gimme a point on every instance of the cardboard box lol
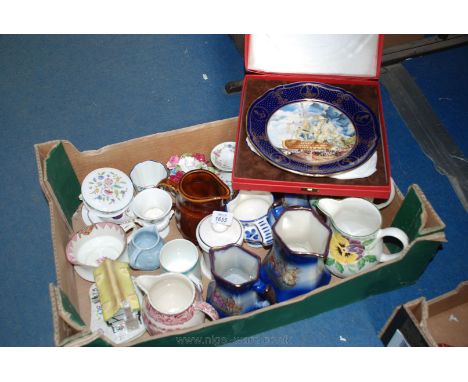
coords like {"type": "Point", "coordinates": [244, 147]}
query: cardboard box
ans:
{"type": "Point", "coordinates": [354, 67]}
{"type": "Point", "coordinates": [442, 321]}
{"type": "Point", "coordinates": [61, 169]}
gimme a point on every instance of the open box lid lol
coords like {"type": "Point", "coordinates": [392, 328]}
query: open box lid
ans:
{"type": "Point", "coordinates": [338, 55]}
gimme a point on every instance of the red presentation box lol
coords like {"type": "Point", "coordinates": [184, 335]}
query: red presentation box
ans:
{"type": "Point", "coordinates": [350, 62]}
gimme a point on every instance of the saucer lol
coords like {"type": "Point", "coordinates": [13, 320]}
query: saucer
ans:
{"type": "Point", "coordinates": [222, 156]}
{"type": "Point", "coordinates": [90, 218]}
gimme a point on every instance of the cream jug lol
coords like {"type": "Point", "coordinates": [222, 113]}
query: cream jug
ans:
{"type": "Point", "coordinates": [172, 302]}
{"type": "Point", "coordinates": [237, 288]}
{"type": "Point", "coordinates": [251, 209]}
{"type": "Point", "coordinates": [357, 238]}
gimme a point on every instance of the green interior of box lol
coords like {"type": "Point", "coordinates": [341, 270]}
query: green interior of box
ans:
{"type": "Point", "coordinates": [63, 181]}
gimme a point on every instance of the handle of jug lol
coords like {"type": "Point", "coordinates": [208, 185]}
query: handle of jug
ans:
{"type": "Point", "coordinates": [274, 212]}
{"type": "Point", "coordinates": [196, 281]}
{"type": "Point", "coordinates": [133, 257]}
{"type": "Point", "coordinates": [397, 234]}
{"type": "Point", "coordinates": [265, 291]}
{"type": "Point", "coordinates": [207, 309]}
{"type": "Point", "coordinates": [276, 209]}
{"type": "Point", "coordinates": [169, 185]}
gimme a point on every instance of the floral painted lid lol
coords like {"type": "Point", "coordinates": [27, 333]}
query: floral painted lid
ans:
{"type": "Point", "coordinates": [107, 190]}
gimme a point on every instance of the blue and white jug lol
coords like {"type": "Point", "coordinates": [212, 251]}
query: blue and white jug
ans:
{"type": "Point", "coordinates": [295, 264]}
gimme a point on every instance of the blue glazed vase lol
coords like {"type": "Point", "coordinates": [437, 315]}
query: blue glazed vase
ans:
{"type": "Point", "coordinates": [296, 263]}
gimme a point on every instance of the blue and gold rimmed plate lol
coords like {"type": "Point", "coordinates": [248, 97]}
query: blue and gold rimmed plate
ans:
{"type": "Point", "coordinates": [312, 129]}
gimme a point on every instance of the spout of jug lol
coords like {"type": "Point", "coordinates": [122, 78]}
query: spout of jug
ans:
{"type": "Point", "coordinates": [145, 282]}
{"type": "Point", "coordinates": [328, 206]}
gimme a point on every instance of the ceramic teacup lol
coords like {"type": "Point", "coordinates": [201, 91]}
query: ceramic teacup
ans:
{"type": "Point", "coordinates": [181, 256]}
{"type": "Point", "coordinates": [144, 248]}
{"type": "Point", "coordinates": [153, 206]}
{"type": "Point", "coordinates": [171, 303]}
{"type": "Point", "coordinates": [356, 244]}
{"type": "Point", "coordinates": [147, 174]}
{"type": "Point", "coordinates": [251, 209]}
{"type": "Point", "coordinates": [89, 247]}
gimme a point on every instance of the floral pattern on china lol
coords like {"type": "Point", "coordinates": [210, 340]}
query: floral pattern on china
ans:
{"type": "Point", "coordinates": [348, 254]}
{"type": "Point", "coordinates": [107, 190]}
{"type": "Point", "coordinates": [222, 156]}
{"type": "Point", "coordinates": [179, 165]}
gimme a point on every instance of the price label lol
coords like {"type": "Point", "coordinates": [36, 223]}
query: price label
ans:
{"type": "Point", "coordinates": [220, 217]}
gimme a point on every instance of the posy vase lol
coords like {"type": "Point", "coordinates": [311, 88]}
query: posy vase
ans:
{"type": "Point", "coordinates": [357, 240]}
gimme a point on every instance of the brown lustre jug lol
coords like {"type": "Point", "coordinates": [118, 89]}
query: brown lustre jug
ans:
{"type": "Point", "coordinates": [197, 194]}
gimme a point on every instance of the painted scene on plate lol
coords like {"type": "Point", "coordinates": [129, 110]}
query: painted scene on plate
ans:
{"type": "Point", "coordinates": [311, 132]}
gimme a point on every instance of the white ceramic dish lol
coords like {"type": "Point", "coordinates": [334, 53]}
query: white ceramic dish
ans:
{"type": "Point", "coordinates": [86, 272]}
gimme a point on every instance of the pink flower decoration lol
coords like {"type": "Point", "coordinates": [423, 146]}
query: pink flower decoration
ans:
{"type": "Point", "coordinates": [177, 176]}
{"type": "Point", "coordinates": [173, 161]}
{"type": "Point", "coordinates": [200, 157]}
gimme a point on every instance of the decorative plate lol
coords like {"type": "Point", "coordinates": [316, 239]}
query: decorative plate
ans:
{"type": "Point", "coordinates": [312, 129]}
{"type": "Point", "coordinates": [107, 190]}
